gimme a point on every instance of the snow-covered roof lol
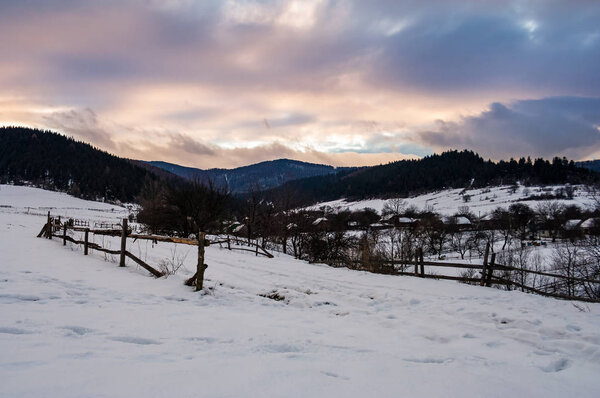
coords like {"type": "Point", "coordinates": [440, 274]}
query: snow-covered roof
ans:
{"type": "Point", "coordinates": [378, 225]}
{"type": "Point", "coordinates": [459, 220]}
{"type": "Point", "coordinates": [319, 220]}
{"type": "Point", "coordinates": [572, 224]}
{"type": "Point", "coordinates": [239, 228]}
{"type": "Point", "coordinates": [405, 220]}
{"type": "Point", "coordinates": [590, 222]}
{"type": "Point", "coordinates": [462, 220]}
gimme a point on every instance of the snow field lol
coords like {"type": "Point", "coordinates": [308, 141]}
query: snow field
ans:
{"type": "Point", "coordinates": [483, 200]}
{"type": "Point", "coordinates": [75, 326]}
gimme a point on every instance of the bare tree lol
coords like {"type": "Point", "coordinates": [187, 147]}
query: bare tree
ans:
{"type": "Point", "coordinates": [461, 242]}
{"type": "Point", "coordinates": [435, 233]}
{"type": "Point", "coordinates": [503, 223]}
{"type": "Point", "coordinates": [517, 258]}
{"type": "Point", "coordinates": [550, 217]}
{"type": "Point", "coordinates": [252, 202]}
{"type": "Point", "coordinates": [394, 207]}
{"type": "Point", "coordinates": [286, 199]}
{"type": "Point", "coordinates": [198, 205]}
{"type": "Point", "coordinates": [184, 207]}
{"type": "Point", "coordinates": [567, 260]}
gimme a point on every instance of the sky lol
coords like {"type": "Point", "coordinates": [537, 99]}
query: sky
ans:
{"type": "Point", "coordinates": [233, 82]}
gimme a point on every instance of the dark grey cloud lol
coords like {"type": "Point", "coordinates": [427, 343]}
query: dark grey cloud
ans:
{"type": "Point", "coordinates": [458, 47]}
{"type": "Point", "coordinates": [558, 126]}
{"type": "Point", "coordinates": [438, 46]}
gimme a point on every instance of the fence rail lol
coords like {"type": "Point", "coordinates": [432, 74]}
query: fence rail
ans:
{"type": "Point", "coordinates": [256, 248]}
{"type": "Point", "coordinates": [55, 228]}
{"type": "Point", "coordinates": [489, 275]}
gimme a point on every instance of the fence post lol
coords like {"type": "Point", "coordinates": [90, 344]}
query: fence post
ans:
{"type": "Point", "coordinates": [64, 234]}
{"type": "Point", "coordinates": [256, 252]}
{"type": "Point", "coordinates": [200, 268]}
{"type": "Point", "coordinates": [123, 243]}
{"type": "Point", "coordinates": [49, 227]}
{"type": "Point", "coordinates": [485, 262]}
{"type": "Point", "coordinates": [228, 242]}
{"type": "Point", "coordinates": [85, 242]}
{"type": "Point", "coordinates": [416, 263]}
{"type": "Point", "coordinates": [421, 261]}
{"type": "Point", "coordinates": [488, 281]}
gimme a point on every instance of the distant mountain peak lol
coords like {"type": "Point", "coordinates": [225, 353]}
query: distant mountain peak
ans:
{"type": "Point", "coordinates": [264, 175]}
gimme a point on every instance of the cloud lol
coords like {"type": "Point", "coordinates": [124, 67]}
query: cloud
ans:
{"type": "Point", "coordinates": [218, 157]}
{"type": "Point", "coordinates": [180, 142]}
{"type": "Point", "coordinates": [337, 76]}
{"type": "Point", "coordinates": [435, 46]}
{"type": "Point", "coordinates": [557, 126]}
{"type": "Point", "coordinates": [81, 124]}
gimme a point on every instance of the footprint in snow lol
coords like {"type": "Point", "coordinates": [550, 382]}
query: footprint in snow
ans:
{"type": "Point", "coordinates": [78, 330]}
{"type": "Point", "coordinates": [13, 298]}
{"type": "Point", "coordinates": [208, 340]}
{"type": "Point", "coordinates": [279, 348]}
{"type": "Point", "coordinates": [11, 330]}
{"type": "Point", "coordinates": [175, 298]}
{"type": "Point", "coordinates": [556, 366]}
{"type": "Point", "coordinates": [334, 375]}
{"type": "Point", "coordinates": [134, 340]}
{"type": "Point", "coordinates": [429, 360]}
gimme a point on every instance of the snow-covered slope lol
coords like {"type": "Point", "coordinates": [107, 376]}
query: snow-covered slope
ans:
{"type": "Point", "coordinates": [74, 326]}
{"type": "Point", "coordinates": [35, 201]}
{"type": "Point", "coordinates": [482, 201]}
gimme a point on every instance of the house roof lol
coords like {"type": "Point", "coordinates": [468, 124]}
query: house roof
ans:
{"type": "Point", "coordinates": [590, 222]}
{"type": "Point", "coordinates": [378, 225]}
{"type": "Point", "coordinates": [459, 220]}
{"type": "Point", "coordinates": [573, 224]}
{"type": "Point", "coordinates": [319, 220]}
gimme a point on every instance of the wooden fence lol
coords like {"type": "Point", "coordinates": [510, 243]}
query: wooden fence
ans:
{"type": "Point", "coordinates": [492, 274]}
{"type": "Point", "coordinates": [54, 227]}
{"type": "Point", "coordinates": [243, 244]}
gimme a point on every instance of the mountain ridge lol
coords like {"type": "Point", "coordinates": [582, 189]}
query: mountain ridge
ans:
{"type": "Point", "coordinates": [258, 176]}
{"type": "Point", "coordinates": [590, 164]}
{"type": "Point", "coordinates": [54, 161]}
{"type": "Point", "coordinates": [450, 169]}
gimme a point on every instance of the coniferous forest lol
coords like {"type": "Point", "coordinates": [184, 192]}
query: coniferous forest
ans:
{"type": "Point", "coordinates": [53, 161]}
{"type": "Point", "coordinates": [452, 169]}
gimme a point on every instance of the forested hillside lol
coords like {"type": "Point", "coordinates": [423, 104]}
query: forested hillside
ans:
{"type": "Point", "coordinates": [590, 164]}
{"type": "Point", "coordinates": [56, 162]}
{"type": "Point", "coordinates": [263, 175]}
{"type": "Point", "coordinates": [452, 169]}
